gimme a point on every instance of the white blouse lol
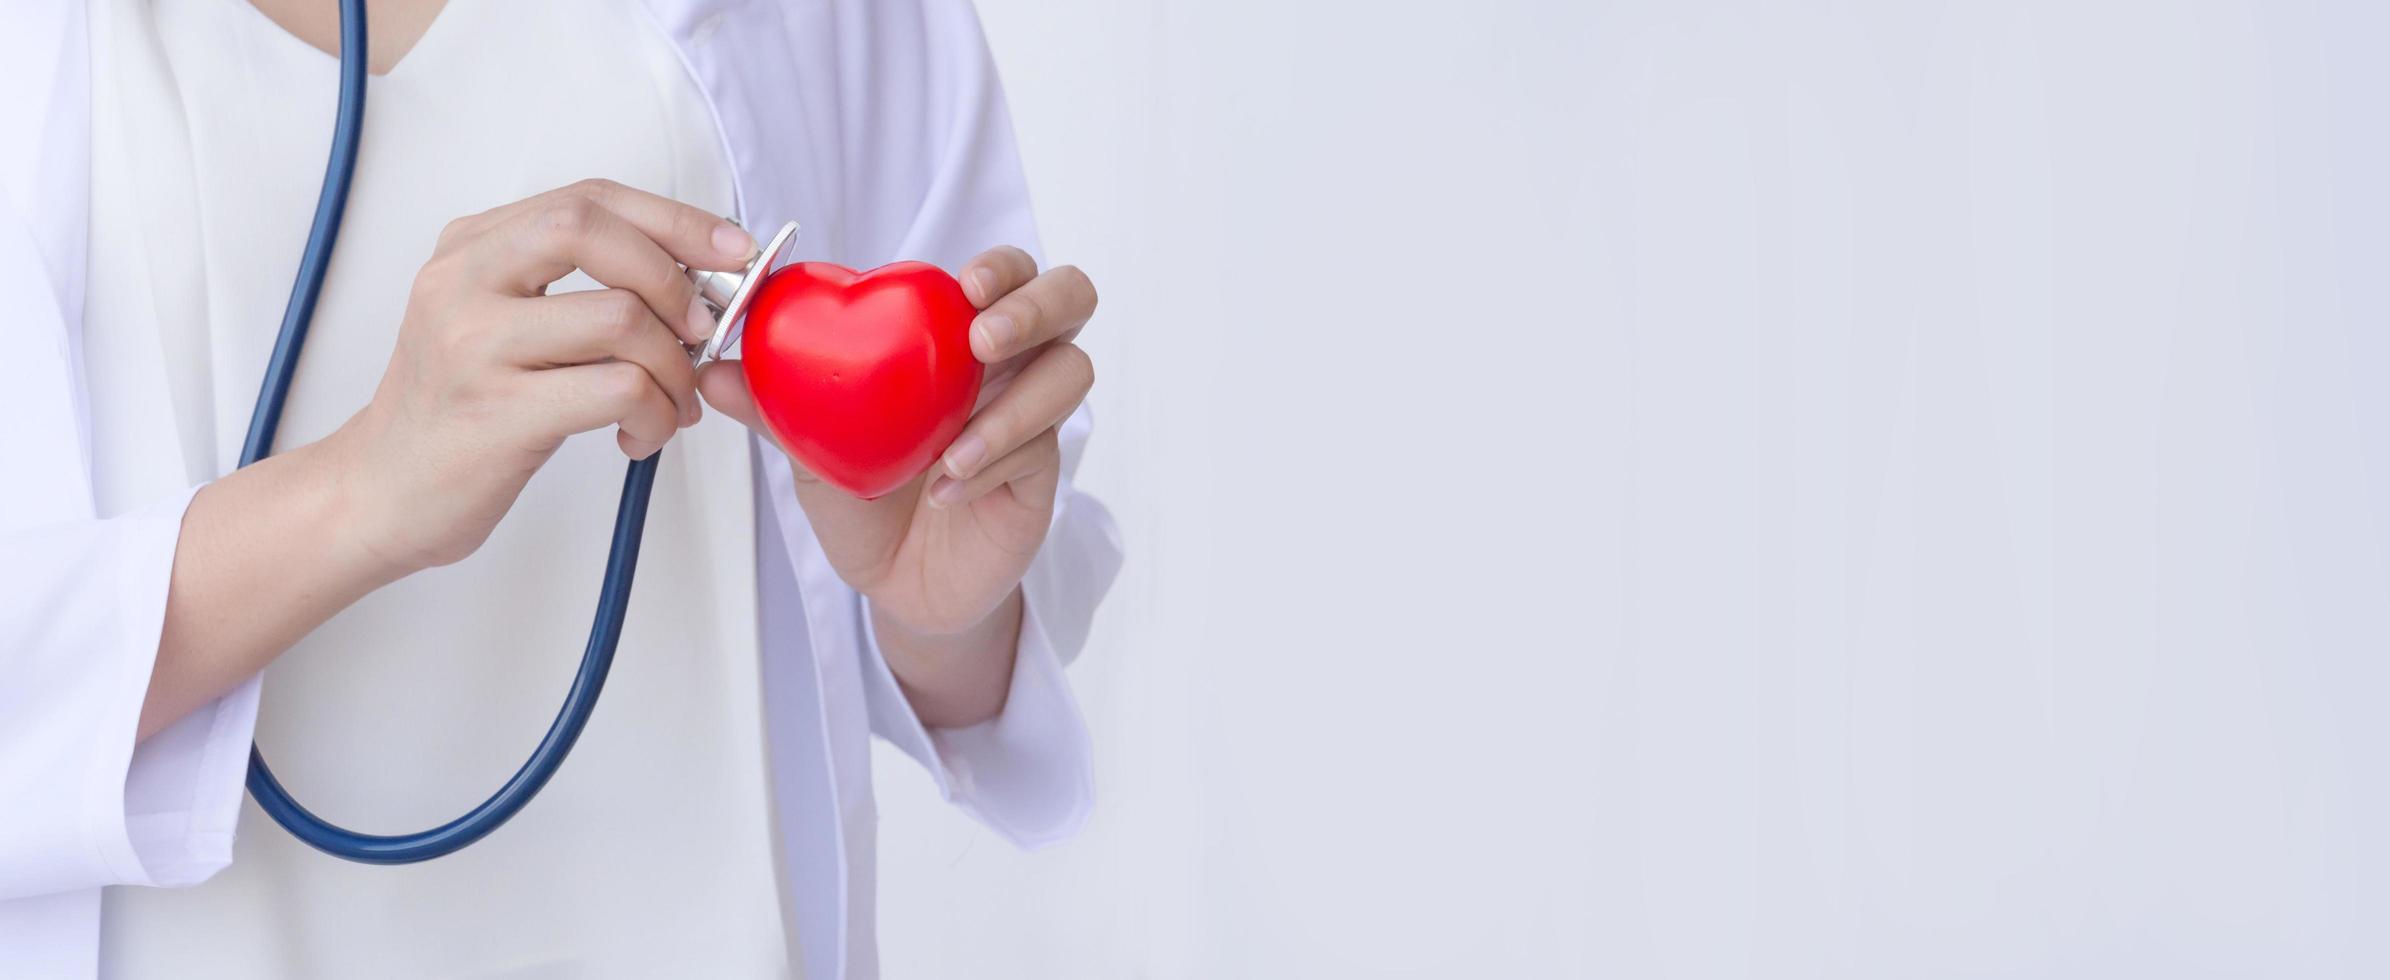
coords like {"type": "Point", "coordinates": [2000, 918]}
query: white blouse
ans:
{"type": "Point", "coordinates": [652, 852]}
{"type": "Point", "coordinates": [881, 125]}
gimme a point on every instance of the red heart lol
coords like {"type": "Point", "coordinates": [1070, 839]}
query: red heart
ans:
{"type": "Point", "coordinates": [864, 378]}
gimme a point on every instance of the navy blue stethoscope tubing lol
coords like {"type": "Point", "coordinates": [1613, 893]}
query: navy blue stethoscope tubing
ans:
{"type": "Point", "coordinates": [614, 596]}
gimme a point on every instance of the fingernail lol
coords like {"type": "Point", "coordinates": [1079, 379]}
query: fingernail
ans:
{"type": "Point", "coordinates": [986, 281]}
{"type": "Point", "coordinates": [995, 333]}
{"type": "Point", "coordinates": [690, 414]}
{"type": "Point", "coordinates": [733, 241]}
{"type": "Point", "coordinates": [945, 492]}
{"type": "Point", "coordinates": [964, 456]}
{"type": "Point", "coordinates": [701, 320]}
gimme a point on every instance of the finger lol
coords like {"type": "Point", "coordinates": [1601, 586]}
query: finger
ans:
{"type": "Point", "coordinates": [871, 536]}
{"type": "Point", "coordinates": [695, 236]}
{"type": "Point", "coordinates": [590, 396]}
{"type": "Point", "coordinates": [1052, 307]}
{"type": "Point", "coordinates": [692, 235]}
{"type": "Point", "coordinates": [540, 245]}
{"type": "Point", "coordinates": [995, 272]}
{"type": "Point", "coordinates": [723, 384]}
{"type": "Point", "coordinates": [599, 325]}
{"type": "Point", "coordinates": [1042, 395]}
{"type": "Point", "coordinates": [1031, 471]}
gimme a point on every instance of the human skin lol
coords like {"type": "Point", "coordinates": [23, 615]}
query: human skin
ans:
{"type": "Point", "coordinates": [488, 377]}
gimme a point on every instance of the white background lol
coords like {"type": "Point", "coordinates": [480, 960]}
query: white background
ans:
{"type": "Point", "coordinates": [1674, 489]}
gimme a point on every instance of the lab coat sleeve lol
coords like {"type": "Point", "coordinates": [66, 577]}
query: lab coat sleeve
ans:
{"type": "Point", "coordinates": [82, 604]}
{"type": "Point", "coordinates": [942, 186]}
{"type": "Point", "coordinates": [1027, 773]}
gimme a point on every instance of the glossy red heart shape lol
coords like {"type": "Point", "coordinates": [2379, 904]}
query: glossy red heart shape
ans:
{"type": "Point", "coordinates": [864, 377]}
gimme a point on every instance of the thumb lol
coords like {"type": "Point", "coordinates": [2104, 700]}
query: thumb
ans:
{"type": "Point", "coordinates": [860, 537]}
{"type": "Point", "coordinates": [724, 386]}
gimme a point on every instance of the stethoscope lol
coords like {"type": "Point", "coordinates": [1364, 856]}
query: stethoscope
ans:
{"type": "Point", "coordinates": [726, 295]}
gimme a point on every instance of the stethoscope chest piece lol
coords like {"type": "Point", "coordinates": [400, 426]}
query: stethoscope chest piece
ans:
{"type": "Point", "coordinates": [728, 293]}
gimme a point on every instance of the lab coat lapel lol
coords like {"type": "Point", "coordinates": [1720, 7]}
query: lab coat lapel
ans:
{"type": "Point", "coordinates": [44, 172]}
{"type": "Point", "coordinates": [779, 133]}
{"type": "Point", "coordinates": [139, 171]}
{"type": "Point", "coordinates": [779, 123]}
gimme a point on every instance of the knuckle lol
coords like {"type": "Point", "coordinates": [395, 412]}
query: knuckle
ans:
{"type": "Point", "coordinates": [485, 342]}
{"type": "Point", "coordinates": [588, 187]}
{"type": "Point", "coordinates": [1076, 367]}
{"type": "Point", "coordinates": [673, 285]}
{"type": "Point", "coordinates": [569, 217]}
{"type": "Point", "coordinates": [1028, 311]}
{"type": "Point", "coordinates": [457, 345]}
{"type": "Point", "coordinates": [1075, 281]}
{"type": "Point", "coordinates": [679, 391]}
{"type": "Point", "coordinates": [680, 374]}
{"type": "Point", "coordinates": [695, 225]}
{"type": "Point", "coordinates": [1004, 430]}
{"type": "Point", "coordinates": [656, 414]}
{"type": "Point", "coordinates": [435, 281]}
{"type": "Point", "coordinates": [622, 384]}
{"type": "Point", "coordinates": [673, 374]}
{"type": "Point", "coordinates": [428, 282]}
{"type": "Point", "coordinates": [1010, 266]}
{"type": "Point", "coordinates": [621, 311]}
{"type": "Point", "coordinates": [455, 231]}
{"type": "Point", "coordinates": [1016, 257]}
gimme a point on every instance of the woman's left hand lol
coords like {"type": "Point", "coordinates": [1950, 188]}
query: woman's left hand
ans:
{"type": "Point", "coordinates": [941, 558]}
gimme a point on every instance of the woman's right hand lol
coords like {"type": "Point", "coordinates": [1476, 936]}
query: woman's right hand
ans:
{"type": "Point", "coordinates": [490, 374]}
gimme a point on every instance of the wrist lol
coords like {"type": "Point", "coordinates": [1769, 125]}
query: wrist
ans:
{"type": "Point", "coordinates": [953, 678]}
{"type": "Point", "coordinates": [348, 513]}
{"type": "Point", "coordinates": [1003, 618]}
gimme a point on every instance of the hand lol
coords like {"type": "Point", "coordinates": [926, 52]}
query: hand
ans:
{"type": "Point", "coordinates": [941, 558]}
{"type": "Point", "coordinates": [490, 373]}
{"type": "Point", "coordinates": [488, 376]}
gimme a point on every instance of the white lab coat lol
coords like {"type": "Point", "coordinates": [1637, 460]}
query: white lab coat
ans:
{"type": "Point", "coordinates": [879, 125]}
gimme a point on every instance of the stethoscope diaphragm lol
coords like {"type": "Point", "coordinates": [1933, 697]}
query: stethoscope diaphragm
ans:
{"type": "Point", "coordinates": [727, 294]}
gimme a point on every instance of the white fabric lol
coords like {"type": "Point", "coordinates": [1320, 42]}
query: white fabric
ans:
{"type": "Point", "coordinates": [207, 109]}
{"type": "Point", "coordinates": [880, 124]}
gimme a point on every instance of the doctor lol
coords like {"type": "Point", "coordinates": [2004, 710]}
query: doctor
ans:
{"type": "Point", "coordinates": [498, 332]}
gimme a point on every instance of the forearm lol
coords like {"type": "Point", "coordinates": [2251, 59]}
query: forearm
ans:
{"type": "Point", "coordinates": [265, 555]}
{"type": "Point", "coordinates": [954, 680]}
